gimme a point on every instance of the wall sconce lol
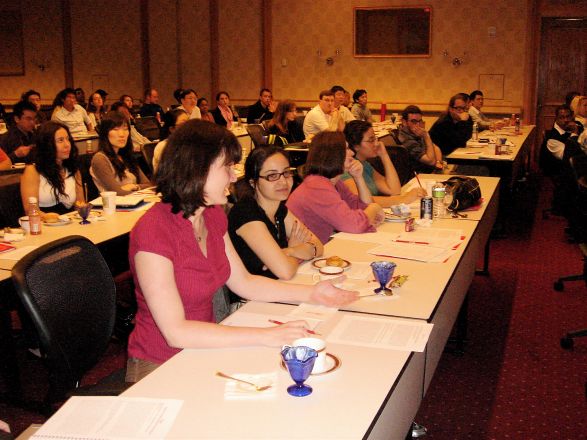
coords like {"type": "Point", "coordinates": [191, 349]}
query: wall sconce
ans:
{"type": "Point", "coordinates": [42, 65]}
{"type": "Point", "coordinates": [456, 61]}
{"type": "Point", "coordinates": [329, 60]}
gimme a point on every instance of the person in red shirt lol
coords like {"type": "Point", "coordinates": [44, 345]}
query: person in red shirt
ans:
{"type": "Point", "coordinates": [181, 254]}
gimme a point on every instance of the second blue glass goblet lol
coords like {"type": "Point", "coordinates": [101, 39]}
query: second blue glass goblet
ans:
{"type": "Point", "coordinates": [383, 271]}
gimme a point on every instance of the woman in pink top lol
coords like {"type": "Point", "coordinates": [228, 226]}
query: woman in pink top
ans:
{"type": "Point", "coordinates": [323, 202]}
{"type": "Point", "coordinates": [180, 255]}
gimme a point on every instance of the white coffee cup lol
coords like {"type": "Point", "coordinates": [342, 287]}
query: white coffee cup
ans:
{"type": "Point", "coordinates": [320, 346]}
{"type": "Point", "coordinates": [24, 223]}
{"type": "Point", "coordinates": [108, 202]}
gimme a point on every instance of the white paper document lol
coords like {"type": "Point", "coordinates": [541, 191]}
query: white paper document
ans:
{"type": "Point", "coordinates": [18, 253]}
{"type": "Point", "coordinates": [394, 334]}
{"type": "Point", "coordinates": [417, 252]}
{"type": "Point", "coordinates": [105, 418]}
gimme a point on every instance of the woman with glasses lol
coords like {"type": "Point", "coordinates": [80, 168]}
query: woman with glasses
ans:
{"type": "Point", "coordinates": [270, 240]}
{"type": "Point", "coordinates": [323, 202]}
{"type": "Point", "coordinates": [385, 188]}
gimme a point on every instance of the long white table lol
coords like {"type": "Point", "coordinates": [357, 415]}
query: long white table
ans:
{"type": "Point", "coordinates": [374, 394]}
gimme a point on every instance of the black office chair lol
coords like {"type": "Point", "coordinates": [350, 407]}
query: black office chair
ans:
{"type": "Point", "coordinates": [401, 161]}
{"type": "Point", "coordinates": [577, 215]}
{"type": "Point", "coordinates": [148, 151]}
{"type": "Point", "coordinates": [148, 127]}
{"type": "Point", "coordinates": [257, 133]}
{"type": "Point", "coordinates": [68, 291]}
{"type": "Point", "coordinates": [10, 202]}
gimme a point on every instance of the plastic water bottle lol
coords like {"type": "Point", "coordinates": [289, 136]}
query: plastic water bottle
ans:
{"type": "Point", "coordinates": [34, 216]}
{"type": "Point", "coordinates": [89, 147]}
{"type": "Point", "coordinates": [475, 136]}
{"type": "Point", "coordinates": [438, 193]}
{"type": "Point", "coordinates": [517, 126]}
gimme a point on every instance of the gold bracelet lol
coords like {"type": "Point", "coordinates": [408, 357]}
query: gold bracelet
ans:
{"type": "Point", "coordinates": [311, 243]}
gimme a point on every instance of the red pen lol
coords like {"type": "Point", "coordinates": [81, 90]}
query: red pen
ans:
{"type": "Point", "coordinates": [414, 242]}
{"type": "Point", "coordinates": [273, 321]}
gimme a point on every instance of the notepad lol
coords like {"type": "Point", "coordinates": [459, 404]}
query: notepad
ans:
{"type": "Point", "coordinates": [130, 201]}
{"type": "Point", "coordinates": [106, 418]}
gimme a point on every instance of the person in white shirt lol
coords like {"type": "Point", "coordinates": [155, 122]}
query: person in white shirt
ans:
{"type": "Point", "coordinates": [189, 99]}
{"type": "Point", "coordinates": [322, 117]}
{"type": "Point", "coordinates": [476, 102]}
{"type": "Point", "coordinates": [73, 115]}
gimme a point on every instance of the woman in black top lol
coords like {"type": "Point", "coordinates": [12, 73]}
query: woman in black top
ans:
{"type": "Point", "coordinates": [270, 240]}
{"type": "Point", "coordinates": [284, 125]}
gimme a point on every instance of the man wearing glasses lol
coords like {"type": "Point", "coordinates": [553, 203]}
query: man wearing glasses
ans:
{"type": "Point", "coordinates": [424, 155]}
{"type": "Point", "coordinates": [454, 127]}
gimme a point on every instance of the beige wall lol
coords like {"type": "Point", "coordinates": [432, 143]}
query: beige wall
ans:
{"type": "Point", "coordinates": [107, 50]}
{"type": "Point", "coordinates": [327, 26]}
{"type": "Point", "coordinates": [106, 47]}
{"type": "Point", "coordinates": [41, 16]}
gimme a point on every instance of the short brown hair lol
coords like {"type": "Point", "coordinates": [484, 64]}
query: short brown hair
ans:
{"type": "Point", "coordinates": [327, 154]}
{"type": "Point", "coordinates": [324, 93]}
{"type": "Point", "coordinates": [186, 160]}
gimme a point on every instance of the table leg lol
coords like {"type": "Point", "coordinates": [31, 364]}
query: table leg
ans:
{"type": "Point", "coordinates": [485, 271]}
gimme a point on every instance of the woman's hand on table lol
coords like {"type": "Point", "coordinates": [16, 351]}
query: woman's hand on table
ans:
{"type": "Point", "coordinates": [285, 333]}
{"type": "Point", "coordinates": [414, 194]}
{"type": "Point", "coordinates": [326, 294]}
{"type": "Point", "coordinates": [299, 234]}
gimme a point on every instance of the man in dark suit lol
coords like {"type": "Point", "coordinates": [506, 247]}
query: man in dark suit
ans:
{"type": "Point", "coordinates": [17, 143]}
{"type": "Point", "coordinates": [263, 109]}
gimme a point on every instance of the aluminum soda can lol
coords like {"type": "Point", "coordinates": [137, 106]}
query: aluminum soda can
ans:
{"type": "Point", "coordinates": [426, 208]}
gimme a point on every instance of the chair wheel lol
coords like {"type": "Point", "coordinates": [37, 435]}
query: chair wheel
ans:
{"type": "Point", "coordinates": [567, 343]}
{"type": "Point", "coordinates": [558, 286]}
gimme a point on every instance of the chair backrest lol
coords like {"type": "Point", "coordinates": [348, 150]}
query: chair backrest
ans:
{"type": "Point", "coordinates": [69, 293]}
{"type": "Point", "coordinates": [85, 163]}
{"type": "Point", "coordinates": [148, 151]}
{"type": "Point", "coordinates": [10, 202]}
{"type": "Point", "coordinates": [148, 127]}
{"type": "Point", "coordinates": [401, 161]}
{"type": "Point", "coordinates": [257, 134]}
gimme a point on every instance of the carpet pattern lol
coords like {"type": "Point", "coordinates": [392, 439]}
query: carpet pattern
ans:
{"type": "Point", "coordinates": [514, 381]}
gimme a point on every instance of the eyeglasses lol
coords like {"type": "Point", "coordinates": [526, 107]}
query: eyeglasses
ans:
{"type": "Point", "coordinates": [371, 140]}
{"type": "Point", "coordinates": [460, 108]}
{"type": "Point", "coordinates": [416, 121]}
{"type": "Point", "coordinates": [273, 177]}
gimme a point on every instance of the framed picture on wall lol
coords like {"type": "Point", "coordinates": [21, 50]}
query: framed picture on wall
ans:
{"type": "Point", "coordinates": [12, 59]}
{"type": "Point", "coordinates": [392, 31]}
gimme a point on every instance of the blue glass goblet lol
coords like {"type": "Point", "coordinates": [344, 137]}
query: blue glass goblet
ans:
{"type": "Point", "coordinates": [383, 271]}
{"type": "Point", "coordinates": [83, 209]}
{"type": "Point", "coordinates": [299, 361]}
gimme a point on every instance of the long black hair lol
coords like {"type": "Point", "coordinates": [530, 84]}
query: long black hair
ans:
{"type": "Point", "coordinates": [45, 153]}
{"type": "Point", "coordinates": [253, 165]}
{"type": "Point", "coordinates": [124, 160]}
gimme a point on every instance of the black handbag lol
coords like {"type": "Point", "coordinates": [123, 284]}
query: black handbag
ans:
{"type": "Point", "coordinates": [465, 191]}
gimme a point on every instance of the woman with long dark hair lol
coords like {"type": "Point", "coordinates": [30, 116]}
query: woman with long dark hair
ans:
{"type": "Point", "coordinates": [284, 125]}
{"type": "Point", "coordinates": [54, 179]}
{"type": "Point", "coordinates": [96, 109]}
{"type": "Point", "coordinates": [270, 240]}
{"type": "Point", "coordinates": [114, 167]}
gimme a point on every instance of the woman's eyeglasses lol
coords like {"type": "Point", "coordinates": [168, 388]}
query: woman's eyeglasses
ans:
{"type": "Point", "coordinates": [276, 176]}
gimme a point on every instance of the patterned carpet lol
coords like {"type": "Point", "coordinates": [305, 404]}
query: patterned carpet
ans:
{"type": "Point", "coordinates": [514, 381]}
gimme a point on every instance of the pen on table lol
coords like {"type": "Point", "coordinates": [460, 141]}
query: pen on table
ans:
{"type": "Point", "coordinates": [418, 179]}
{"type": "Point", "coordinates": [273, 321]}
{"type": "Point", "coordinates": [414, 242]}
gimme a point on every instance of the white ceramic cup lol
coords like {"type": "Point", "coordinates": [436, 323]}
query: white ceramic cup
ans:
{"type": "Point", "coordinates": [108, 202]}
{"type": "Point", "coordinates": [24, 223]}
{"type": "Point", "coordinates": [320, 346]}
